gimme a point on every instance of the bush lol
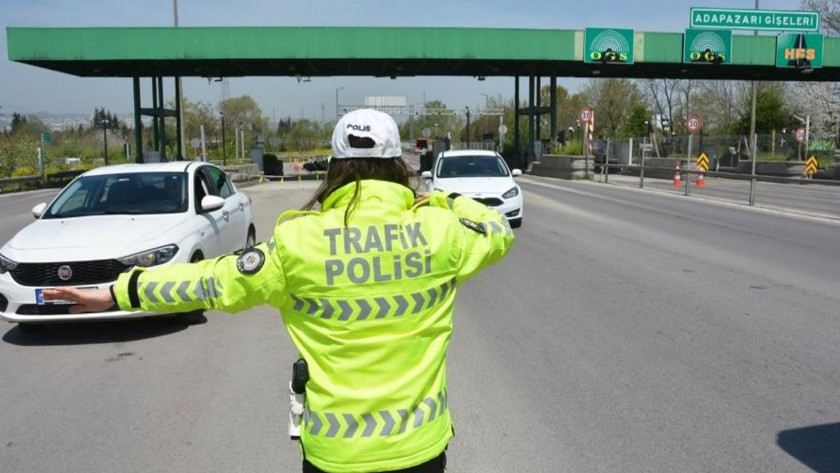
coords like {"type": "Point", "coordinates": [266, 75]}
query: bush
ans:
{"type": "Point", "coordinates": [25, 171]}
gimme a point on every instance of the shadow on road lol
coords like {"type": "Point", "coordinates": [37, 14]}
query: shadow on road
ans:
{"type": "Point", "coordinates": [817, 447]}
{"type": "Point", "coordinates": [82, 333]}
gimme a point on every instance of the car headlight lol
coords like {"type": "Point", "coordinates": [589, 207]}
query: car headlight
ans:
{"type": "Point", "coordinates": [150, 258]}
{"type": "Point", "coordinates": [511, 193]}
{"type": "Point", "coordinates": [6, 264]}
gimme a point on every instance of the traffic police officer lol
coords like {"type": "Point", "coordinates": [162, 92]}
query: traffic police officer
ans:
{"type": "Point", "coordinates": [366, 288]}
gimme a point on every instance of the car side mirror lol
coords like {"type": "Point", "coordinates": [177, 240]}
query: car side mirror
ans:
{"type": "Point", "coordinates": [39, 209]}
{"type": "Point", "coordinates": [426, 174]}
{"type": "Point", "coordinates": [516, 172]}
{"type": "Point", "coordinates": [212, 202]}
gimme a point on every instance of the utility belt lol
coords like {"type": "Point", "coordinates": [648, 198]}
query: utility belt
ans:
{"type": "Point", "coordinates": [297, 397]}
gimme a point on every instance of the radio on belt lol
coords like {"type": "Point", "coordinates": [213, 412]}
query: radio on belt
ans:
{"type": "Point", "coordinates": [297, 397]}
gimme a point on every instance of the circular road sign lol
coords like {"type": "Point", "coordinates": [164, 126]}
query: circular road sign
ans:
{"type": "Point", "coordinates": [586, 115]}
{"type": "Point", "coordinates": [693, 124]}
{"type": "Point", "coordinates": [800, 135]}
{"type": "Point", "coordinates": [502, 129]}
{"type": "Point", "coordinates": [427, 132]}
{"type": "Point", "coordinates": [195, 143]}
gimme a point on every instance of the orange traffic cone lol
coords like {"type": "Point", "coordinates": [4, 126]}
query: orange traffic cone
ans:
{"type": "Point", "coordinates": [677, 179]}
{"type": "Point", "coordinates": [700, 181]}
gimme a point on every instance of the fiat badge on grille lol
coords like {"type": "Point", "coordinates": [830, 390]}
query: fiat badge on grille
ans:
{"type": "Point", "coordinates": [65, 273]}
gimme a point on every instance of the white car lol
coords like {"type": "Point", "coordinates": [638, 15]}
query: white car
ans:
{"type": "Point", "coordinates": [113, 218]}
{"type": "Point", "coordinates": [481, 175]}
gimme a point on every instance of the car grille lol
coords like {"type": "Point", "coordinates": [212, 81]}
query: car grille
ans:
{"type": "Point", "coordinates": [35, 309]}
{"type": "Point", "coordinates": [84, 272]}
{"type": "Point", "coordinates": [490, 201]}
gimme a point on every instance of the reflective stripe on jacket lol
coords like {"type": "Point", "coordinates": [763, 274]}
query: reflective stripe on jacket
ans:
{"type": "Point", "coordinates": [368, 306]}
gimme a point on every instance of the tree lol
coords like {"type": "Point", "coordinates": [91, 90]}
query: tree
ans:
{"type": "Point", "coordinates": [613, 100]}
{"type": "Point", "coordinates": [637, 122]}
{"type": "Point", "coordinates": [663, 96]}
{"type": "Point", "coordinates": [717, 104]}
{"type": "Point", "coordinates": [770, 110]}
{"type": "Point", "coordinates": [243, 112]}
{"type": "Point", "coordinates": [820, 101]}
{"type": "Point", "coordinates": [302, 136]}
{"type": "Point", "coordinates": [829, 13]}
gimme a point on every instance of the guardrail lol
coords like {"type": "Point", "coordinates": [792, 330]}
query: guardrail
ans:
{"type": "Point", "coordinates": [52, 179]}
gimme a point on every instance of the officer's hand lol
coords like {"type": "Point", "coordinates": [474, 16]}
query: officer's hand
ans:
{"type": "Point", "coordinates": [85, 300]}
{"type": "Point", "coordinates": [297, 166]}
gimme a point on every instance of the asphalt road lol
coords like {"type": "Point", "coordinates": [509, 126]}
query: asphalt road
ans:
{"type": "Point", "coordinates": [627, 331]}
{"type": "Point", "coordinates": [812, 197]}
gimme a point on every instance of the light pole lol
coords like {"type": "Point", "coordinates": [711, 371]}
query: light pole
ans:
{"type": "Point", "coordinates": [336, 102]}
{"type": "Point", "coordinates": [105, 123]}
{"type": "Point", "coordinates": [224, 144]}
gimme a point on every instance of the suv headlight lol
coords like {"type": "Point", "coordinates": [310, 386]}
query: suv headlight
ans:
{"type": "Point", "coordinates": [6, 264]}
{"type": "Point", "coordinates": [150, 258]}
{"type": "Point", "coordinates": [511, 193]}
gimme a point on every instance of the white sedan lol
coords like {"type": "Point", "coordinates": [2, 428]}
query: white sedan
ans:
{"type": "Point", "coordinates": [113, 218]}
{"type": "Point", "coordinates": [481, 175]}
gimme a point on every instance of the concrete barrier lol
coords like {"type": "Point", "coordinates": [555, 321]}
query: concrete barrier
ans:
{"type": "Point", "coordinates": [561, 167]}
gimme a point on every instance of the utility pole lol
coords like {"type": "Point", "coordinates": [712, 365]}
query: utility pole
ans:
{"type": "Point", "coordinates": [753, 140]}
{"type": "Point", "coordinates": [105, 123]}
{"type": "Point", "coordinates": [224, 145]}
{"type": "Point", "coordinates": [468, 127]}
{"type": "Point", "coordinates": [182, 139]}
{"type": "Point", "coordinates": [336, 102]}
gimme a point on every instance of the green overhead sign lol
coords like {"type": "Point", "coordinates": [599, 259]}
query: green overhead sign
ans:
{"type": "Point", "coordinates": [707, 46]}
{"type": "Point", "coordinates": [777, 20]}
{"type": "Point", "coordinates": [800, 50]}
{"type": "Point", "coordinates": [608, 45]}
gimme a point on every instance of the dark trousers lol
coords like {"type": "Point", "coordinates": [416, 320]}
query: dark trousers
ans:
{"type": "Point", "coordinates": [435, 465]}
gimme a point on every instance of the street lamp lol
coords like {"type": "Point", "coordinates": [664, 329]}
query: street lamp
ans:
{"type": "Point", "coordinates": [336, 102]}
{"type": "Point", "coordinates": [105, 122]}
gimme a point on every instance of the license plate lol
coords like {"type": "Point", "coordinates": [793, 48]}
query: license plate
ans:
{"type": "Point", "coordinates": [39, 297]}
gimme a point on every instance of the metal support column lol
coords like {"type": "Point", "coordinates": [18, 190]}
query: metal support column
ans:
{"type": "Point", "coordinates": [553, 125]}
{"type": "Point", "coordinates": [517, 146]}
{"type": "Point", "coordinates": [530, 148]}
{"type": "Point", "coordinates": [179, 155]}
{"type": "Point", "coordinates": [162, 120]}
{"type": "Point", "coordinates": [138, 122]}
{"type": "Point", "coordinates": [155, 128]}
{"type": "Point", "coordinates": [538, 115]}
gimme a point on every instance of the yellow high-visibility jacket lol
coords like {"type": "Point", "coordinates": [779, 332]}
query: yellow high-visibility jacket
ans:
{"type": "Point", "coordinates": [368, 305]}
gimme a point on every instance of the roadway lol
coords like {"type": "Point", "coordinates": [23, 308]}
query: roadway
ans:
{"type": "Point", "coordinates": [628, 330]}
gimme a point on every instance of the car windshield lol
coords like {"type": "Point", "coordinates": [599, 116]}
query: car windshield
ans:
{"type": "Point", "coordinates": [131, 193]}
{"type": "Point", "coordinates": [471, 166]}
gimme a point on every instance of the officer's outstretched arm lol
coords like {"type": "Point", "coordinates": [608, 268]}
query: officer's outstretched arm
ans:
{"type": "Point", "coordinates": [485, 235]}
{"type": "Point", "coordinates": [231, 283]}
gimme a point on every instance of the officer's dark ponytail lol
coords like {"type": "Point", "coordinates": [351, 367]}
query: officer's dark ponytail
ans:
{"type": "Point", "coordinates": [344, 171]}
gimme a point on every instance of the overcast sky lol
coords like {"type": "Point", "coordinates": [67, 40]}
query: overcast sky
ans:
{"type": "Point", "coordinates": [28, 89]}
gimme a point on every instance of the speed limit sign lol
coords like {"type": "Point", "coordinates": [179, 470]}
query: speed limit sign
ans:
{"type": "Point", "coordinates": [693, 123]}
{"type": "Point", "coordinates": [586, 115]}
{"type": "Point", "coordinates": [800, 135]}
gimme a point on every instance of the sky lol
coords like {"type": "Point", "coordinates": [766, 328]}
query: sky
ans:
{"type": "Point", "coordinates": [30, 90]}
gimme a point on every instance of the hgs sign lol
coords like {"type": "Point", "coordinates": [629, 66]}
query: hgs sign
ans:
{"type": "Point", "coordinates": [801, 50]}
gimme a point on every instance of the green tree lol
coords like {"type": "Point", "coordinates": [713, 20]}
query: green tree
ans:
{"type": "Point", "coordinates": [637, 122]}
{"type": "Point", "coordinates": [613, 100]}
{"type": "Point", "coordinates": [244, 112]}
{"type": "Point", "coordinates": [770, 110]}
